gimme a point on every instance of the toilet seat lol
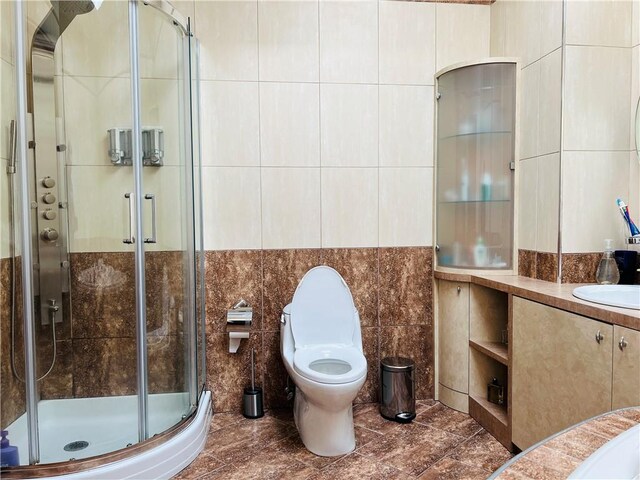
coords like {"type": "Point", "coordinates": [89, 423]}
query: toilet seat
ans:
{"type": "Point", "coordinates": [329, 363]}
{"type": "Point", "coordinates": [322, 310]}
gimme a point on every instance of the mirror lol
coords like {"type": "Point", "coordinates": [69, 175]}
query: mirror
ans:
{"type": "Point", "coordinates": [638, 129]}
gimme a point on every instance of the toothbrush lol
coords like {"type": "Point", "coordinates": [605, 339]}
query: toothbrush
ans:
{"type": "Point", "coordinates": [624, 210]}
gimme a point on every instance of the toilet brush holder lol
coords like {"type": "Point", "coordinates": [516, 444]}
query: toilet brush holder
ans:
{"type": "Point", "coordinates": [252, 406]}
{"type": "Point", "coordinates": [252, 403]}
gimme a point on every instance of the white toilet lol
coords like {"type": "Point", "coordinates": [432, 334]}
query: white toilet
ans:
{"type": "Point", "coordinates": [321, 345]}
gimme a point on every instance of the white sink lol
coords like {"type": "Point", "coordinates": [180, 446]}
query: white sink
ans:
{"type": "Point", "coordinates": [625, 296]}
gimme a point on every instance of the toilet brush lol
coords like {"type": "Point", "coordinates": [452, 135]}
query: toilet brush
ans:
{"type": "Point", "coordinates": [252, 398]}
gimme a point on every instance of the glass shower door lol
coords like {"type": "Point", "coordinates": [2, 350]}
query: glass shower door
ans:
{"type": "Point", "coordinates": [94, 352]}
{"type": "Point", "coordinates": [168, 217]}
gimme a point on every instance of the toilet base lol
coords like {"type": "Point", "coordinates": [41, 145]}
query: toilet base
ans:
{"type": "Point", "coordinates": [327, 433]}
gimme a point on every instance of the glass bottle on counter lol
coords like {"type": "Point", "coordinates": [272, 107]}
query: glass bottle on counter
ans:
{"type": "Point", "coordinates": [608, 273]}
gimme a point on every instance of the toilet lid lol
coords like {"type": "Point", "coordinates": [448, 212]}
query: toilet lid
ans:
{"type": "Point", "coordinates": [322, 310]}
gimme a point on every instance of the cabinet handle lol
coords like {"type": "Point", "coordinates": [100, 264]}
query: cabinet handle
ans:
{"type": "Point", "coordinates": [599, 337]}
{"type": "Point", "coordinates": [622, 343]}
{"type": "Point", "coordinates": [459, 289]}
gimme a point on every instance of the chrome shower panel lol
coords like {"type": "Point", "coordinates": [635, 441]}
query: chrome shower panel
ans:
{"type": "Point", "coordinates": [47, 156]}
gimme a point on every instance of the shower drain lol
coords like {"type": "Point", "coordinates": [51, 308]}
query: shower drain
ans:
{"type": "Point", "coordinates": [75, 446]}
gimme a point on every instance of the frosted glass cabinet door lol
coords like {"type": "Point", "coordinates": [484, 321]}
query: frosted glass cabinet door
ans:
{"type": "Point", "coordinates": [476, 108]}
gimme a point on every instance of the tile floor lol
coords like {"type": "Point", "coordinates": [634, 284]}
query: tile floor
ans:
{"type": "Point", "coordinates": [440, 444]}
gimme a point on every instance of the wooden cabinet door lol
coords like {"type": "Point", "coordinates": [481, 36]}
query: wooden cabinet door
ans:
{"type": "Point", "coordinates": [453, 335]}
{"type": "Point", "coordinates": [626, 368]}
{"type": "Point", "coordinates": [561, 374]}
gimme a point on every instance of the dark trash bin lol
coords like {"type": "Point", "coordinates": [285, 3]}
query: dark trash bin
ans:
{"type": "Point", "coordinates": [397, 389]}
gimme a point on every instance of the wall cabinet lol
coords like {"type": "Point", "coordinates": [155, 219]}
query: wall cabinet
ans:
{"type": "Point", "coordinates": [475, 163]}
{"type": "Point", "coordinates": [562, 370]}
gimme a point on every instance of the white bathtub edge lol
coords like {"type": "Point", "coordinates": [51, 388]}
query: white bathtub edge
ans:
{"type": "Point", "coordinates": [618, 458]}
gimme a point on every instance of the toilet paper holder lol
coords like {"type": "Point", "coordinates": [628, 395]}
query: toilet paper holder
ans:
{"type": "Point", "coordinates": [239, 318]}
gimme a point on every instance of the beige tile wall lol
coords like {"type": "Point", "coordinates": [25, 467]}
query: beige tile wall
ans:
{"type": "Point", "coordinates": [7, 113]}
{"type": "Point", "coordinates": [96, 97]}
{"type": "Point", "coordinates": [92, 70]}
{"type": "Point", "coordinates": [34, 10]}
{"type": "Point", "coordinates": [318, 118]}
{"type": "Point", "coordinates": [7, 110]}
{"type": "Point", "coordinates": [589, 126]}
{"type": "Point", "coordinates": [532, 32]}
{"type": "Point", "coordinates": [601, 90]}
{"type": "Point", "coordinates": [634, 158]}
{"type": "Point", "coordinates": [6, 35]}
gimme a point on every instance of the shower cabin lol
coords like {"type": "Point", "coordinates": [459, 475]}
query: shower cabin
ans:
{"type": "Point", "coordinates": [101, 311]}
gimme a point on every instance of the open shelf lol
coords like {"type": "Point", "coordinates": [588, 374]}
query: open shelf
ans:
{"type": "Point", "coordinates": [492, 417]}
{"type": "Point", "coordinates": [475, 134]}
{"type": "Point", "coordinates": [496, 350]}
{"type": "Point", "coordinates": [482, 368]}
{"type": "Point", "coordinates": [497, 412]}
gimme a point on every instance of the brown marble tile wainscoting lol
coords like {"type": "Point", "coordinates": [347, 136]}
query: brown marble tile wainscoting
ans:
{"type": "Point", "coordinates": [103, 322]}
{"type": "Point", "coordinates": [580, 267]}
{"type": "Point", "coordinates": [547, 266]}
{"type": "Point", "coordinates": [391, 288]}
{"type": "Point", "coordinates": [527, 263]}
{"type": "Point", "coordinates": [96, 353]}
{"type": "Point", "coordinates": [440, 444]}
{"type": "Point", "coordinates": [538, 265]}
{"type": "Point", "coordinates": [12, 400]}
{"type": "Point", "coordinates": [576, 267]}
{"type": "Point", "coordinates": [57, 383]}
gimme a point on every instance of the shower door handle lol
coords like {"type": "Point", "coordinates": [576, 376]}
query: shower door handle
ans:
{"type": "Point", "coordinates": [154, 227]}
{"type": "Point", "coordinates": [13, 143]}
{"type": "Point", "coordinates": [131, 199]}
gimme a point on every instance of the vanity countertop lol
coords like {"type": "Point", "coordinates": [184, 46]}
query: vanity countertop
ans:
{"type": "Point", "coordinates": [552, 294]}
{"type": "Point", "coordinates": [559, 455]}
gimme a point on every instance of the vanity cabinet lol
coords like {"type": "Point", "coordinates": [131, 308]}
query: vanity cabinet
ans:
{"type": "Point", "coordinates": [626, 368]}
{"type": "Point", "coordinates": [472, 323]}
{"type": "Point", "coordinates": [561, 370]}
{"type": "Point", "coordinates": [453, 341]}
{"type": "Point", "coordinates": [557, 367]}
